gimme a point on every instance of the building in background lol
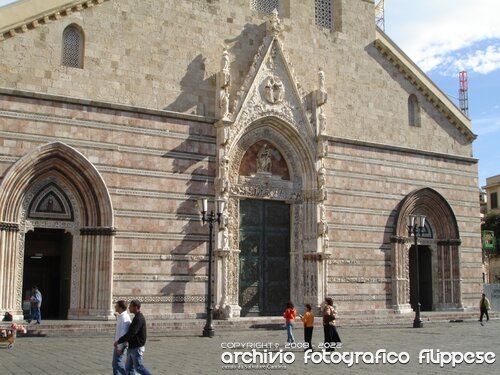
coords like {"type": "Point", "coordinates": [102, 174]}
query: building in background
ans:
{"type": "Point", "coordinates": [320, 134]}
{"type": "Point", "coordinates": [491, 229]}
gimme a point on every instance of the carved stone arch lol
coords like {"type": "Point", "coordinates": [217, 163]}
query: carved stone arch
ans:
{"type": "Point", "coordinates": [444, 244]}
{"type": "Point", "coordinates": [57, 168]}
{"type": "Point", "coordinates": [285, 138]}
{"type": "Point", "coordinates": [58, 156]}
{"type": "Point", "coordinates": [300, 191]}
{"type": "Point", "coordinates": [434, 206]}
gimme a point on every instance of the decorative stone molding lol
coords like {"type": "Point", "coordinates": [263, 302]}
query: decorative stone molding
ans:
{"type": "Point", "coordinates": [162, 257]}
{"type": "Point", "coordinates": [452, 242]}
{"type": "Point", "coordinates": [161, 278]}
{"type": "Point", "coordinates": [43, 19]}
{"type": "Point", "coordinates": [343, 261]}
{"type": "Point", "coordinates": [264, 192]}
{"type": "Point", "coordinates": [316, 257]}
{"type": "Point", "coordinates": [400, 239]}
{"type": "Point", "coordinates": [9, 227]}
{"type": "Point", "coordinates": [360, 280]}
{"type": "Point", "coordinates": [98, 231]}
{"type": "Point", "coordinates": [162, 299]}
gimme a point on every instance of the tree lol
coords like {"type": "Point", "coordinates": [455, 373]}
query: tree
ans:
{"type": "Point", "coordinates": [492, 222]}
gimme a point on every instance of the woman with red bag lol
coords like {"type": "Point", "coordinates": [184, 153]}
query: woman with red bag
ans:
{"type": "Point", "coordinates": [290, 314]}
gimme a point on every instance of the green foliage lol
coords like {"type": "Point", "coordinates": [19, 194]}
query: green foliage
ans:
{"type": "Point", "coordinates": [492, 222]}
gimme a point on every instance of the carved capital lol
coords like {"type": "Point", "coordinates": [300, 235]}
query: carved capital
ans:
{"type": "Point", "coordinates": [98, 231]}
{"type": "Point", "coordinates": [316, 257]}
{"type": "Point", "coordinates": [399, 239]}
{"type": "Point", "coordinates": [450, 242]}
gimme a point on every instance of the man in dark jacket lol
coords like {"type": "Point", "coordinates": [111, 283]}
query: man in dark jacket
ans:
{"type": "Point", "coordinates": [136, 339]}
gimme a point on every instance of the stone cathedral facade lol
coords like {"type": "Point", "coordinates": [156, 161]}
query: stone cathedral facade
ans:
{"type": "Point", "coordinates": [318, 132]}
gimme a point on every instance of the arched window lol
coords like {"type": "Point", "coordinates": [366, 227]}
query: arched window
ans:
{"type": "Point", "coordinates": [73, 46]}
{"type": "Point", "coordinates": [265, 6]}
{"type": "Point", "coordinates": [413, 111]}
{"type": "Point", "coordinates": [323, 13]}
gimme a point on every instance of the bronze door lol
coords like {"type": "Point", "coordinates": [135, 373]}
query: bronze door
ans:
{"type": "Point", "coordinates": [265, 257]}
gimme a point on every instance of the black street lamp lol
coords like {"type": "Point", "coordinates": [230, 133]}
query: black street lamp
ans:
{"type": "Point", "coordinates": [416, 224]}
{"type": "Point", "coordinates": [210, 218]}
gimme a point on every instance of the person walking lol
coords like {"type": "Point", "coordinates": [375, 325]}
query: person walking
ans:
{"type": "Point", "coordinates": [122, 325]}
{"type": "Point", "coordinates": [332, 338]}
{"type": "Point", "coordinates": [36, 304]}
{"type": "Point", "coordinates": [484, 306]}
{"type": "Point", "coordinates": [136, 339]}
{"type": "Point", "coordinates": [290, 314]}
{"type": "Point", "coordinates": [308, 320]}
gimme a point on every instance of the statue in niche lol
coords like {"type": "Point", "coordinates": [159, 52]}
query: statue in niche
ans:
{"type": "Point", "coordinates": [321, 75]}
{"type": "Point", "coordinates": [274, 23]}
{"type": "Point", "coordinates": [224, 103]}
{"type": "Point", "coordinates": [50, 205]}
{"type": "Point", "coordinates": [322, 212]}
{"type": "Point", "coordinates": [273, 90]}
{"type": "Point", "coordinates": [326, 241]}
{"type": "Point", "coordinates": [264, 159]}
{"type": "Point", "coordinates": [225, 60]}
{"type": "Point", "coordinates": [322, 177]}
{"type": "Point", "coordinates": [321, 121]}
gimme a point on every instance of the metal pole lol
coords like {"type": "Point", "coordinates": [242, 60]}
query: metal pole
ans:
{"type": "Point", "coordinates": [209, 331]}
{"type": "Point", "coordinates": [417, 323]}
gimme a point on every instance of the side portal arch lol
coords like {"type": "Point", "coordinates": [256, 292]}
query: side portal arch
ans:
{"type": "Point", "coordinates": [49, 171]}
{"type": "Point", "coordinates": [444, 243]}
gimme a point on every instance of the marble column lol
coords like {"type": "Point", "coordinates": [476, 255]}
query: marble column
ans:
{"type": "Point", "coordinates": [10, 272]}
{"type": "Point", "coordinates": [95, 287]}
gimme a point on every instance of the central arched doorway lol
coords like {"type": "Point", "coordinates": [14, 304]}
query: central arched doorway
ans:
{"type": "Point", "coordinates": [47, 264]}
{"type": "Point", "coordinates": [265, 257]}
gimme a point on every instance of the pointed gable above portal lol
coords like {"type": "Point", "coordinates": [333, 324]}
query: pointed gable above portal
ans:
{"type": "Point", "coordinates": [270, 89]}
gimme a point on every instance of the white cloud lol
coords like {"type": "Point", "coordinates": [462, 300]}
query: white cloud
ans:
{"type": "Point", "coordinates": [486, 126]}
{"type": "Point", "coordinates": [5, 2]}
{"type": "Point", "coordinates": [430, 31]}
{"type": "Point", "coordinates": [480, 60]}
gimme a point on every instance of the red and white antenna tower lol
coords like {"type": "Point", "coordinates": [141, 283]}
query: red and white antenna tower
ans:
{"type": "Point", "coordinates": [463, 92]}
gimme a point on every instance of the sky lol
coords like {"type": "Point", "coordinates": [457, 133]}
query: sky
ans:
{"type": "Point", "coordinates": [444, 37]}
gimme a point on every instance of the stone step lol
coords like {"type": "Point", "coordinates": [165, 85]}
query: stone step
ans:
{"type": "Point", "coordinates": [192, 326]}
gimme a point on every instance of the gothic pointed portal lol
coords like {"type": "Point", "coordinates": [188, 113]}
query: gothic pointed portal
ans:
{"type": "Point", "coordinates": [439, 271]}
{"type": "Point", "coordinates": [268, 155]}
{"type": "Point", "coordinates": [56, 218]}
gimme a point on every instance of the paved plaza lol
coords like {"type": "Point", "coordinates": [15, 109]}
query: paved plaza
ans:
{"type": "Point", "coordinates": [187, 353]}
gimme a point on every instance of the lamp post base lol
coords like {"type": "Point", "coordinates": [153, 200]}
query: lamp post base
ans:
{"type": "Point", "coordinates": [208, 332]}
{"type": "Point", "coordinates": [417, 323]}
